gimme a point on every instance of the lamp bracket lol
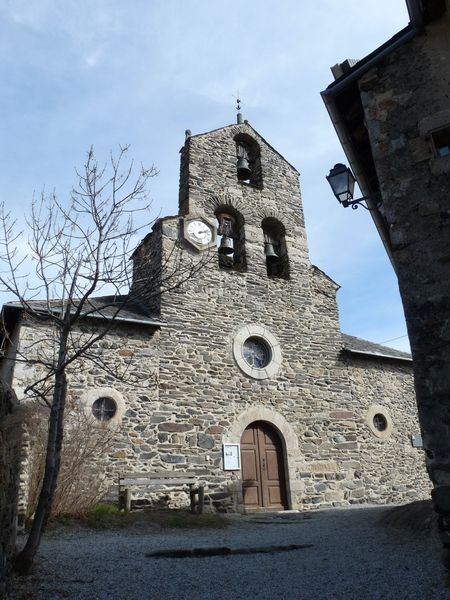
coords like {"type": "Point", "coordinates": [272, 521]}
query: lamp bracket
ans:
{"type": "Point", "coordinates": [376, 198]}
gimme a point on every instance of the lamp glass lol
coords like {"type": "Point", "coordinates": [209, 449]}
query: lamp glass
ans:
{"type": "Point", "coordinates": [342, 182]}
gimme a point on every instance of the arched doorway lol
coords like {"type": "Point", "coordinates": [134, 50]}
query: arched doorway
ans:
{"type": "Point", "coordinates": [262, 468]}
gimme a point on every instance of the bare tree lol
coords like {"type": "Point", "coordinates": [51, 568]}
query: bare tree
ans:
{"type": "Point", "coordinates": [77, 251]}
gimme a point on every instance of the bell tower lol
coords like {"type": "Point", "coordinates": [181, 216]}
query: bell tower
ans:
{"type": "Point", "coordinates": [240, 213]}
{"type": "Point", "coordinates": [234, 178]}
{"type": "Point", "coordinates": [253, 325]}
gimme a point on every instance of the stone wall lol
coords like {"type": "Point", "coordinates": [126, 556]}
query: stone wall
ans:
{"type": "Point", "coordinates": [187, 391]}
{"type": "Point", "coordinates": [10, 447]}
{"type": "Point", "coordinates": [312, 398]}
{"type": "Point", "coordinates": [391, 469]}
{"type": "Point", "coordinates": [130, 379]}
{"type": "Point", "coordinates": [406, 104]}
{"type": "Point", "coordinates": [200, 399]}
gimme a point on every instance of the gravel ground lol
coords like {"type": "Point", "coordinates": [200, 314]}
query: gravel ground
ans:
{"type": "Point", "coordinates": [352, 557]}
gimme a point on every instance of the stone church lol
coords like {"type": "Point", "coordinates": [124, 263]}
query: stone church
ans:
{"type": "Point", "coordinates": [242, 375]}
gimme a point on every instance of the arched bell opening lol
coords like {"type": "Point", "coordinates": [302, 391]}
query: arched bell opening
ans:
{"type": "Point", "coordinates": [248, 160]}
{"type": "Point", "coordinates": [230, 239]}
{"type": "Point", "coordinates": [275, 250]}
{"type": "Point", "coordinates": [263, 468]}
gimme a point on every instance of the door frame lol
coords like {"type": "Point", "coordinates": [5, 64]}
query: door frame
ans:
{"type": "Point", "coordinates": [261, 460]}
{"type": "Point", "coordinates": [290, 445]}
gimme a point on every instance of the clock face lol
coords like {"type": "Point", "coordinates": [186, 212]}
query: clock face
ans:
{"type": "Point", "coordinates": [199, 232]}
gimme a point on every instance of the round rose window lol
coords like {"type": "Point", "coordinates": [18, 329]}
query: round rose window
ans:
{"type": "Point", "coordinates": [104, 409]}
{"type": "Point", "coordinates": [256, 352]}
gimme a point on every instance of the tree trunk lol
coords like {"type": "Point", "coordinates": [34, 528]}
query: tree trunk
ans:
{"type": "Point", "coordinates": [24, 560]}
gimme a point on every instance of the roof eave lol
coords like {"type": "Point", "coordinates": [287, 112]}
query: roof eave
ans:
{"type": "Point", "coordinates": [371, 60]}
{"type": "Point", "coordinates": [348, 79]}
{"type": "Point", "coordinates": [378, 354]}
{"type": "Point", "coordinates": [92, 315]}
{"type": "Point", "coordinates": [352, 158]}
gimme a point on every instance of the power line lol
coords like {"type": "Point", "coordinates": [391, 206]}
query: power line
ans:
{"type": "Point", "coordinates": [393, 339]}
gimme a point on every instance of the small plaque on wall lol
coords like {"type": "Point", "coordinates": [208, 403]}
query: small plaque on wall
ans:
{"type": "Point", "coordinates": [416, 440]}
{"type": "Point", "coordinates": [232, 457]}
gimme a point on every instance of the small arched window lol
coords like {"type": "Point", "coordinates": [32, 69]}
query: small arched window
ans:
{"type": "Point", "coordinates": [275, 250]}
{"type": "Point", "coordinates": [230, 239]}
{"type": "Point", "coordinates": [248, 160]}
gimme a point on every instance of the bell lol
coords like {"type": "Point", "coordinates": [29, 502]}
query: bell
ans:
{"type": "Point", "coordinates": [269, 250]}
{"type": "Point", "coordinates": [226, 224]}
{"type": "Point", "coordinates": [226, 245]}
{"type": "Point", "coordinates": [243, 170]}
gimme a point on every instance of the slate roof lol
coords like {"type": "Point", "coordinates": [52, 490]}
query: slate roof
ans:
{"type": "Point", "coordinates": [103, 307]}
{"type": "Point", "coordinates": [355, 345]}
{"type": "Point", "coordinates": [132, 311]}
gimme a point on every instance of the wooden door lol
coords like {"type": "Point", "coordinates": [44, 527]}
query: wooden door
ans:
{"type": "Point", "coordinates": [263, 483]}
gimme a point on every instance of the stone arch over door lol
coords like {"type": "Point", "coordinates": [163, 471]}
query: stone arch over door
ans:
{"type": "Point", "coordinates": [287, 436]}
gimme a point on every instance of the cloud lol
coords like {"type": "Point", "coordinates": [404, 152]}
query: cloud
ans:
{"type": "Point", "coordinates": [30, 13]}
{"type": "Point", "coordinates": [77, 72]}
{"type": "Point", "coordinates": [80, 31]}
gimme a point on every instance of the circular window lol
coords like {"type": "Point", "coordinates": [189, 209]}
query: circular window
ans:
{"type": "Point", "coordinates": [380, 422]}
{"type": "Point", "coordinates": [256, 352]}
{"type": "Point", "coordinates": [104, 408]}
{"type": "Point", "coordinates": [104, 405]}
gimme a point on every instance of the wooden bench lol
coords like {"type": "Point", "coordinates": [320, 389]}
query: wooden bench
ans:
{"type": "Point", "coordinates": [151, 481]}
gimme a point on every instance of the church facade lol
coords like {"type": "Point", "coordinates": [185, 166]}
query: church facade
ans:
{"type": "Point", "coordinates": [240, 374]}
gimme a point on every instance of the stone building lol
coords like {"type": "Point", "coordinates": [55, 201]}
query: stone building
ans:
{"type": "Point", "coordinates": [241, 374]}
{"type": "Point", "coordinates": [391, 112]}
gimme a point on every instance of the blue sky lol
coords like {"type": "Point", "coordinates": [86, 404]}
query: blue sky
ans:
{"type": "Point", "coordinates": [109, 72]}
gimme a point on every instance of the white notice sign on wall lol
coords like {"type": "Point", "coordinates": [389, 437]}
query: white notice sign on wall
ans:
{"type": "Point", "coordinates": [232, 457]}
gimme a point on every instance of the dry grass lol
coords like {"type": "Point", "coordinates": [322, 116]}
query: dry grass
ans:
{"type": "Point", "coordinates": [81, 480]}
{"type": "Point", "coordinates": [108, 516]}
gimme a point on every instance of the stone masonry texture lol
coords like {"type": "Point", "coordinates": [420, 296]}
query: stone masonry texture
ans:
{"type": "Point", "coordinates": [185, 395]}
{"type": "Point", "coordinates": [406, 104]}
{"type": "Point", "coordinates": [10, 452]}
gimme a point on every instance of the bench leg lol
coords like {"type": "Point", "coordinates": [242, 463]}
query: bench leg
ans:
{"type": "Point", "coordinates": [192, 494]}
{"type": "Point", "coordinates": [200, 492]}
{"type": "Point", "coordinates": [127, 494]}
{"type": "Point", "coordinates": [201, 499]}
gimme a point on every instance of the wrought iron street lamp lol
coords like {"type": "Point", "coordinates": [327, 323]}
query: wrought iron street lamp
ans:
{"type": "Point", "coordinates": [342, 182]}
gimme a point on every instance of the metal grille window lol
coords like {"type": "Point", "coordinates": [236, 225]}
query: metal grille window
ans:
{"type": "Point", "coordinates": [104, 409]}
{"type": "Point", "coordinates": [380, 422]}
